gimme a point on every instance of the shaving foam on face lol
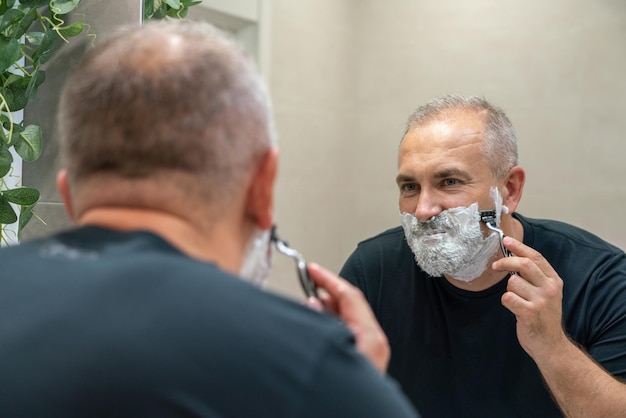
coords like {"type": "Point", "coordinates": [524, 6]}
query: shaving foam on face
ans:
{"type": "Point", "coordinates": [450, 243]}
{"type": "Point", "coordinates": [257, 260]}
{"type": "Point", "coordinates": [494, 193]}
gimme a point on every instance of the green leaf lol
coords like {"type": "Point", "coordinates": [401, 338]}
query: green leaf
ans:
{"type": "Point", "coordinates": [9, 52]}
{"type": "Point", "coordinates": [15, 137]}
{"type": "Point", "coordinates": [25, 24]}
{"type": "Point", "coordinates": [34, 38]}
{"type": "Point", "coordinates": [11, 17]}
{"type": "Point", "coordinates": [6, 159]}
{"type": "Point", "coordinates": [71, 30]}
{"type": "Point", "coordinates": [34, 3]}
{"type": "Point", "coordinates": [160, 11]}
{"type": "Point", "coordinates": [148, 9]}
{"type": "Point", "coordinates": [4, 141]}
{"type": "Point", "coordinates": [177, 13]}
{"type": "Point", "coordinates": [26, 213]}
{"type": "Point", "coordinates": [7, 214]}
{"type": "Point", "coordinates": [22, 196]}
{"type": "Point", "coordinates": [47, 46]}
{"type": "Point", "coordinates": [6, 5]}
{"type": "Point", "coordinates": [63, 6]}
{"type": "Point", "coordinates": [5, 124]}
{"type": "Point", "coordinates": [174, 4]}
{"type": "Point", "coordinates": [29, 145]}
{"type": "Point", "coordinates": [37, 77]}
{"type": "Point", "coordinates": [15, 92]}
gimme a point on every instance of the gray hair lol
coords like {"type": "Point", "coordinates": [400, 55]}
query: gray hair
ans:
{"type": "Point", "coordinates": [500, 142]}
{"type": "Point", "coordinates": [167, 97]}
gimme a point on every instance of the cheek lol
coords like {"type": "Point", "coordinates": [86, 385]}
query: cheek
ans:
{"type": "Point", "coordinates": [407, 204]}
{"type": "Point", "coordinates": [406, 209]}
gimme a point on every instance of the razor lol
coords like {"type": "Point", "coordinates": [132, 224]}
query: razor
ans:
{"type": "Point", "coordinates": [488, 217]}
{"type": "Point", "coordinates": [308, 286]}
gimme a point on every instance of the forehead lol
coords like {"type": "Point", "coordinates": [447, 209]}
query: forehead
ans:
{"type": "Point", "coordinates": [454, 138]}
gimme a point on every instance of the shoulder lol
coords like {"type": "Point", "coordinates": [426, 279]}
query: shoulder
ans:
{"type": "Point", "coordinates": [377, 257]}
{"type": "Point", "coordinates": [389, 235]}
{"type": "Point", "coordinates": [585, 262]}
{"type": "Point", "coordinates": [550, 233]}
{"type": "Point", "coordinates": [178, 321]}
{"type": "Point", "coordinates": [391, 241]}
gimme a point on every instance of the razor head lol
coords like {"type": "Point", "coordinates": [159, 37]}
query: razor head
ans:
{"type": "Point", "coordinates": [488, 217]}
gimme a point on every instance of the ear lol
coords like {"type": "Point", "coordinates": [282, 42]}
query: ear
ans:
{"type": "Point", "coordinates": [260, 197]}
{"type": "Point", "coordinates": [513, 187]}
{"type": "Point", "coordinates": [64, 190]}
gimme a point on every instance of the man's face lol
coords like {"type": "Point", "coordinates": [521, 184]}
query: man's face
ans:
{"type": "Point", "coordinates": [444, 181]}
{"type": "Point", "coordinates": [441, 166]}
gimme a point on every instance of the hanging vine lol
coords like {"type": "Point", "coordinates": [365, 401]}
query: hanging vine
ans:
{"type": "Point", "coordinates": [30, 33]}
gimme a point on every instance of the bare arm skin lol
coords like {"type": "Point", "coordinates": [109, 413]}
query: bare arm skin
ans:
{"type": "Point", "coordinates": [348, 303]}
{"type": "Point", "coordinates": [581, 387]}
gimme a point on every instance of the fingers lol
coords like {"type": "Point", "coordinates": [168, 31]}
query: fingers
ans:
{"type": "Point", "coordinates": [535, 280]}
{"type": "Point", "coordinates": [534, 295]}
{"type": "Point", "coordinates": [527, 262]}
{"type": "Point", "coordinates": [340, 296]}
{"type": "Point", "coordinates": [520, 295]}
{"type": "Point", "coordinates": [315, 304]}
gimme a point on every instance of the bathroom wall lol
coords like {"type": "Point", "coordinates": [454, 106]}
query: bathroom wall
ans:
{"type": "Point", "coordinates": [556, 67]}
{"type": "Point", "coordinates": [312, 85]}
{"type": "Point", "coordinates": [346, 74]}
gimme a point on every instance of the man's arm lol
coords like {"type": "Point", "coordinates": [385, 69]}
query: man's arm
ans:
{"type": "Point", "coordinates": [581, 387]}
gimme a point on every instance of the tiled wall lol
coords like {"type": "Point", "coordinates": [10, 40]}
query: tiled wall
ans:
{"type": "Point", "coordinates": [102, 17]}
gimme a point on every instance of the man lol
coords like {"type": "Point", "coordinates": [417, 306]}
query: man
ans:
{"type": "Point", "coordinates": [468, 337]}
{"type": "Point", "coordinates": [138, 311]}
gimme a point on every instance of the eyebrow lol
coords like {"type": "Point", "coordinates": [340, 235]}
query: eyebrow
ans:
{"type": "Point", "coordinates": [404, 178]}
{"type": "Point", "coordinates": [443, 174]}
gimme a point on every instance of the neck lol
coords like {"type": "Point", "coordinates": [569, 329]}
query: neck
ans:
{"type": "Point", "coordinates": [217, 242]}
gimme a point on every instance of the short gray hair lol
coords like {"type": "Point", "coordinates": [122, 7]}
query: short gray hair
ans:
{"type": "Point", "coordinates": [500, 141]}
{"type": "Point", "coordinates": [167, 97]}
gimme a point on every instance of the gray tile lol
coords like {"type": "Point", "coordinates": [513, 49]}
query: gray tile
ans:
{"type": "Point", "coordinates": [102, 17]}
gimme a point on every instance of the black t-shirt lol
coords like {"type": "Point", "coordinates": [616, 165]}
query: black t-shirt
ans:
{"type": "Point", "coordinates": [101, 323]}
{"type": "Point", "coordinates": [455, 352]}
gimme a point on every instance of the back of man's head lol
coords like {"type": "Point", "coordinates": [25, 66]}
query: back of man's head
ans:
{"type": "Point", "coordinates": [170, 102]}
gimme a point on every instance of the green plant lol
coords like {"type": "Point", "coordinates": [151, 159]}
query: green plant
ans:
{"type": "Point", "coordinates": [158, 9]}
{"type": "Point", "coordinates": [30, 32]}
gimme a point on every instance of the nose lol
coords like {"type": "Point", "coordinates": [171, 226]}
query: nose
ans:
{"type": "Point", "coordinates": [427, 206]}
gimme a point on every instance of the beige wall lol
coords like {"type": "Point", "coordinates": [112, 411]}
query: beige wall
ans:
{"type": "Point", "coordinates": [346, 73]}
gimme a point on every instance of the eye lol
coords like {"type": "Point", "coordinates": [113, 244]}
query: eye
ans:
{"type": "Point", "coordinates": [409, 188]}
{"type": "Point", "coordinates": [450, 182]}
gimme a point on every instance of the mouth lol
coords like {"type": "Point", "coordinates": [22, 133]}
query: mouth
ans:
{"type": "Point", "coordinates": [433, 236]}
